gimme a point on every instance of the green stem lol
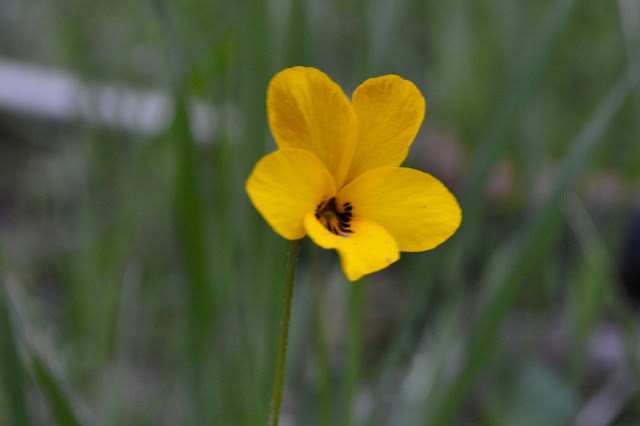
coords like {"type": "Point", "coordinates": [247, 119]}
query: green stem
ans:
{"type": "Point", "coordinates": [354, 347]}
{"type": "Point", "coordinates": [281, 359]}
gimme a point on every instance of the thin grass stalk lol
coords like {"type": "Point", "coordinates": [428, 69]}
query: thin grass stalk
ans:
{"type": "Point", "coordinates": [354, 347]}
{"type": "Point", "coordinates": [281, 355]}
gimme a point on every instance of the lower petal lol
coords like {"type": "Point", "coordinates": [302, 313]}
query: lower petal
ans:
{"type": "Point", "coordinates": [287, 184]}
{"type": "Point", "coordinates": [369, 248]}
{"type": "Point", "coordinates": [416, 208]}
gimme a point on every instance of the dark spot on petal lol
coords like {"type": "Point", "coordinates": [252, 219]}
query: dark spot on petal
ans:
{"type": "Point", "coordinates": [335, 221]}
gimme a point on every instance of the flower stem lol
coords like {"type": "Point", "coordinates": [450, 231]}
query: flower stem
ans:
{"type": "Point", "coordinates": [354, 346]}
{"type": "Point", "coordinates": [281, 358]}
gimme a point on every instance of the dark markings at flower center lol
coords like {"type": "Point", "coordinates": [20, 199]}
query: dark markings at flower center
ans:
{"type": "Point", "coordinates": [335, 221]}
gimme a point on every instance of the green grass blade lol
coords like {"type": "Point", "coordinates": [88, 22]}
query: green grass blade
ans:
{"type": "Point", "coordinates": [265, 276]}
{"type": "Point", "coordinates": [525, 252]}
{"type": "Point", "coordinates": [59, 402]}
{"type": "Point", "coordinates": [297, 40]}
{"type": "Point", "coordinates": [494, 141]}
{"type": "Point", "coordinates": [13, 376]}
{"type": "Point", "coordinates": [492, 145]}
{"type": "Point", "coordinates": [189, 219]}
{"type": "Point", "coordinates": [320, 353]}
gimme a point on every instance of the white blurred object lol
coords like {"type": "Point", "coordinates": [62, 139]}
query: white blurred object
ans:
{"type": "Point", "coordinates": [59, 96]}
{"type": "Point", "coordinates": [630, 19]}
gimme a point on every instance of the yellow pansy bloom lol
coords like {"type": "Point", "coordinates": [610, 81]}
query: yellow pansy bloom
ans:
{"type": "Point", "coordinates": [336, 177]}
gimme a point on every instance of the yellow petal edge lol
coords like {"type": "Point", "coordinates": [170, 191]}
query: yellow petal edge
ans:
{"type": "Point", "coordinates": [390, 111]}
{"type": "Point", "coordinates": [307, 110]}
{"type": "Point", "coordinates": [286, 185]}
{"type": "Point", "coordinates": [414, 207]}
{"type": "Point", "coordinates": [369, 249]}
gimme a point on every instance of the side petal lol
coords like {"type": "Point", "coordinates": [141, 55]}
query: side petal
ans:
{"type": "Point", "coordinates": [368, 249]}
{"type": "Point", "coordinates": [416, 208]}
{"type": "Point", "coordinates": [390, 111]}
{"type": "Point", "coordinates": [287, 184]}
{"type": "Point", "coordinates": [309, 111]}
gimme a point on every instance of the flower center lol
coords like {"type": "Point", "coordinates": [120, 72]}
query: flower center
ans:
{"type": "Point", "coordinates": [335, 221]}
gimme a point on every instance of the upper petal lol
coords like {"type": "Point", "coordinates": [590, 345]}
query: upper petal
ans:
{"type": "Point", "coordinates": [416, 208]}
{"type": "Point", "coordinates": [368, 249]}
{"type": "Point", "coordinates": [390, 111]}
{"type": "Point", "coordinates": [309, 111]}
{"type": "Point", "coordinates": [287, 184]}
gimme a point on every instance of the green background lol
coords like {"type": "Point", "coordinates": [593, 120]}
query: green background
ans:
{"type": "Point", "coordinates": [139, 285]}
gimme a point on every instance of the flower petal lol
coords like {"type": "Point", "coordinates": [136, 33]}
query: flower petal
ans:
{"type": "Point", "coordinates": [287, 184]}
{"type": "Point", "coordinates": [390, 111]}
{"type": "Point", "coordinates": [416, 208]}
{"type": "Point", "coordinates": [309, 111]}
{"type": "Point", "coordinates": [368, 249]}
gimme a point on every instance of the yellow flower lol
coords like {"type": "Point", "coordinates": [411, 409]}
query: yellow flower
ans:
{"type": "Point", "coordinates": [336, 174]}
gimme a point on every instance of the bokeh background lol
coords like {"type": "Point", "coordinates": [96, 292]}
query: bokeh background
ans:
{"type": "Point", "coordinates": [139, 286]}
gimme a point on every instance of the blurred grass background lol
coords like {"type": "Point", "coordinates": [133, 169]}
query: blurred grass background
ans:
{"type": "Point", "coordinates": [139, 286]}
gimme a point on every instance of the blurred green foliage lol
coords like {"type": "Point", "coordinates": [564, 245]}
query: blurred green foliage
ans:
{"type": "Point", "coordinates": [139, 286]}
